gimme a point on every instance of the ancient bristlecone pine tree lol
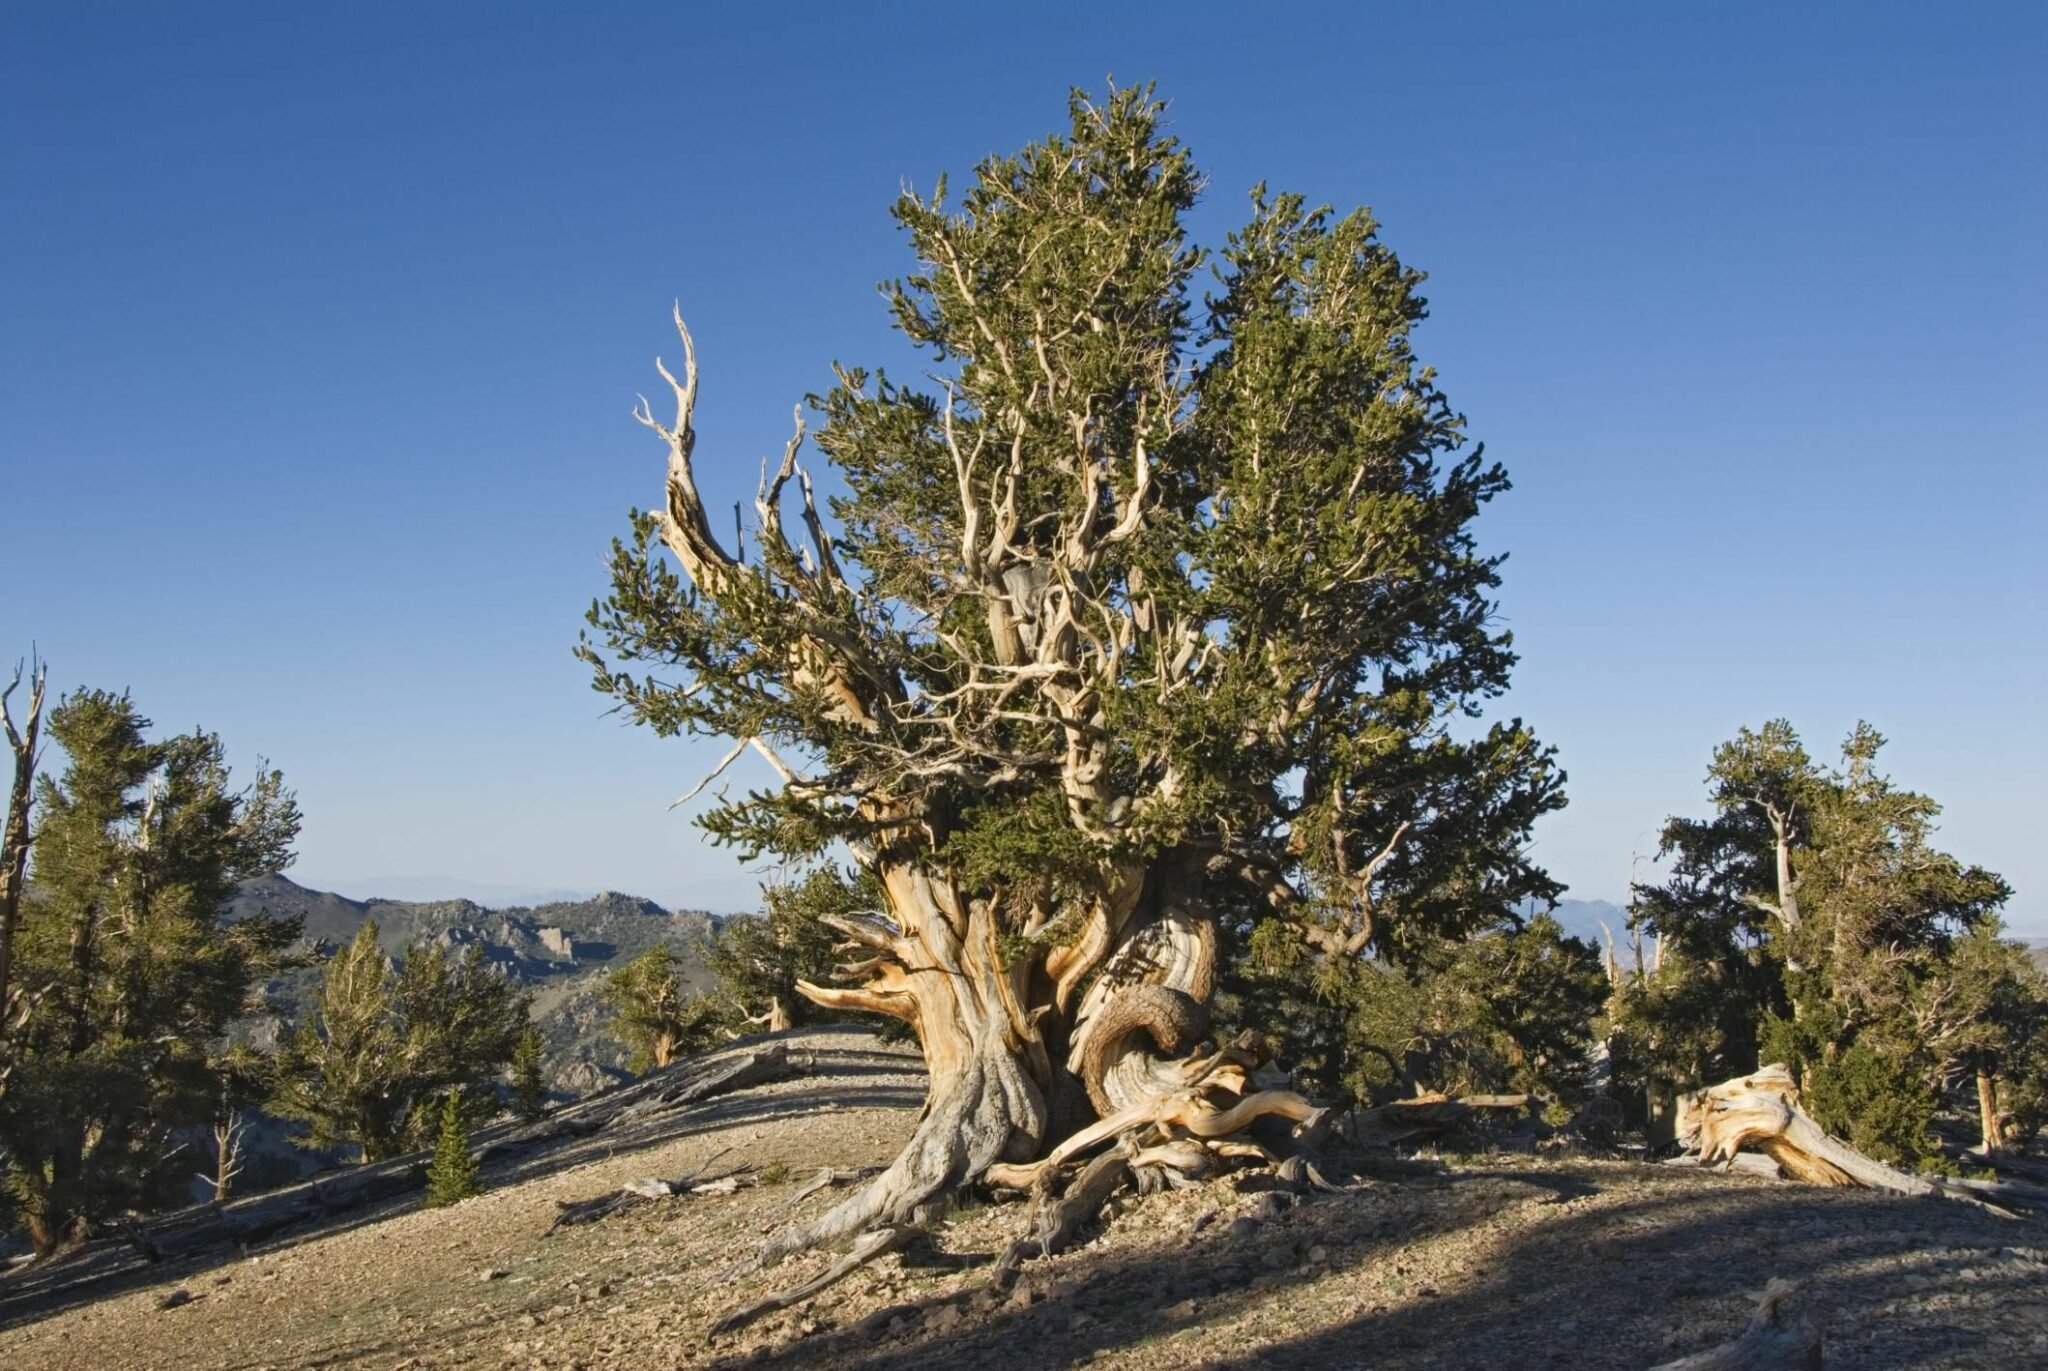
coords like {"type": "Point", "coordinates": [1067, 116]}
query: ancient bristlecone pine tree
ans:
{"type": "Point", "coordinates": [1142, 624]}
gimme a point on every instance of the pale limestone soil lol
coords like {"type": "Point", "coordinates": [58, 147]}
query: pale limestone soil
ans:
{"type": "Point", "coordinates": [1501, 1263]}
{"type": "Point", "coordinates": [371, 1296]}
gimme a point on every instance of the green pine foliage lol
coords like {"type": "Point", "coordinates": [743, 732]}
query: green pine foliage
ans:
{"type": "Point", "coordinates": [133, 973]}
{"type": "Point", "coordinates": [1163, 590]}
{"type": "Point", "coordinates": [529, 1085]}
{"type": "Point", "coordinates": [1867, 959]}
{"type": "Point", "coordinates": [760, 960]}
{"type": "Point", "coordinates": [1510, 1010]}
{"type": "Point", "coordinates": [656, 1016]}
{"type": "Point", "coordinates": [387, 1043]}
{"type": "Point", "coordinates": [451, 1176]}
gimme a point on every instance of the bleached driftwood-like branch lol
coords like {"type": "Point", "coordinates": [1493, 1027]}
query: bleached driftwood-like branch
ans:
{"type": "Point", "coordinates": [1761, 1112]}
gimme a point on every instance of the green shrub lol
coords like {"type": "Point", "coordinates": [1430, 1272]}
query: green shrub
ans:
{"type": "Point", "coordinates": [452, 1174]}
{"type": "Point", "coordinates": [1875, 1104]}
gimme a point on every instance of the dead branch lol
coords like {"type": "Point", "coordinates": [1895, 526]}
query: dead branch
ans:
{"type": "Point", "coordinates": [647, 1188]}
{"type": "Point", "coordinates": [1058, 1220]}
{"type": "Point", "coordinates": [1762, 1112]}
{"type": "Point", "coordinates": [1430, 1115]}
{"type": "Point", "coordinates": [228, 1136]}
{"type": "Point", "coordinates": [15, 838]}
{"type": "Point", "coordinates": [866, 1248]}
{"type": "Point", "coordinates": [1783, 1335]}
{"type": "Point", "coordinates": [826, 1179]}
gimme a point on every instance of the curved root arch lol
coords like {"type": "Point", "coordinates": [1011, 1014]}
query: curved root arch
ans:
{"type": "Point", "coordinates": [1168, 1109]}
{"type": "Point", "coordinates": [1167, 1101]}
{"type": "Point", "coordinates": [1156, 984]}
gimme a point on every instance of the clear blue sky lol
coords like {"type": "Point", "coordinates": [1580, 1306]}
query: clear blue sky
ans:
{"type": "Point", "coordinates": [320, 325]}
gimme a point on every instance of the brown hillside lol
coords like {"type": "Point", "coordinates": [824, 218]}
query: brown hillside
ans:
{"type": "Point", "coordinates": [1487, 1262]}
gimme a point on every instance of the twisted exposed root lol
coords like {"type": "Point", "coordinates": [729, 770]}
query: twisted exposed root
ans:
{"type": "Point", "coordinates": [1221, 1123]}
{"type": "Point", "coordinates": [868, 1248]}
{"type": "Point", "coordinates": [1209, 1101]}
{"type": "Point", "coordinates": [1056, 1221]}
{"type": "Point", "coordinates": [1172, 1018]}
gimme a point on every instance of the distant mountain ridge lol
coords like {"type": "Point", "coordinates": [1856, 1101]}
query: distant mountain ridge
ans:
{"type": "Point", "coordinates": [1583, 919]}
{"type": "Point", "coordinates": [561, 951]}
{"type": "Point", "coordinates": [434, 888]}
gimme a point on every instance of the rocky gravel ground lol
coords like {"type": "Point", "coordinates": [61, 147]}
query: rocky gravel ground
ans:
{"type": "Point", "coordinates": [1494, 1262]}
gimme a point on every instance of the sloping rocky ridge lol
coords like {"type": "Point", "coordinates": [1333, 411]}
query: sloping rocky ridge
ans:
{"type": "Point", "coordinates": [561, 952]}
{"type": "Point", "coordinates": [1478, 1261]}
{"type": "Point", "coordinates": [804, 1071]}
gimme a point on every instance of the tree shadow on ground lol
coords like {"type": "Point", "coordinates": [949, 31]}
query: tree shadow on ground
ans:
{"type": "Point", "coordinates": [1608, 1275]}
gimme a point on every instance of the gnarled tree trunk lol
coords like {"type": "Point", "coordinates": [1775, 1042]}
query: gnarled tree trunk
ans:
{"type": "Point", "coordinates": [1987, 1111]}
{"type": "Point", "coordinates": [936, 966]}
{"type": "Point", "coordinates": [993, 1013]}
{"type": "Point", "coordinates": [1110, 630]}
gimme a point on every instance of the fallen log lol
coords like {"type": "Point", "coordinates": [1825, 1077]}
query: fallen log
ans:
{"type": "Point", "coordinates": [647, 1188]}
{"type": "Point", "coordinates": [2017, 1192]}
{"type": "Point", "coordinates": [1437, 1107]}
{"type": "Point", "coordinates": [1749, 1163]}
{"type": "Point", "coordinates": [1427, 1115]}
{"type": "Point", "coordinates": [674, 1087]}
{"type": "Point", "coordinates": [1783, 1335]}
{"type": "Point", "coordinates": [1761, 1112]}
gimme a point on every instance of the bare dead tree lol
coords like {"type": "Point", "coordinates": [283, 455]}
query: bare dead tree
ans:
{"type": "Point", "coordinates": [229, 1134]}
{"type": "Point", "coordinates": [15, 842]}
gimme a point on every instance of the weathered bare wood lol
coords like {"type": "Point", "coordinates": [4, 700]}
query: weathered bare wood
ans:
{"type": "Point", "coordinates": [1425, 1116]}
{"type": "Point", "coordinates": [1783, 1335]}
{"type": "Point", "coordinates": [1761, 1111]}
{"type": "Point", "coordinates": [1302, 1176]}
{"type": "Point", "coordinates": [866, 1248]}
{"type": "Point", "coordinates": [2004, 1191]}
{"type": "Point", "coordinates": [674, 1087]}
{"type": "Point", "coordinates": [1203, 1100]}
{"type": "Point", "coordinates": [647, 1188]}
{"type": "Point", "coordinates": [1057, 1220]}
{"type": "Point", "coordinates": [1749, 1163]}
{"type": "Point", "coordinates": [15, 840]}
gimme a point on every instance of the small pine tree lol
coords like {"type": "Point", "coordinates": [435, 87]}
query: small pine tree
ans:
{"type": "Point", "coordinates": [529, 1090]}
{"type": "Point", "coordinates": [654, 1013]}
{"type": "Point", "coordinates": [452, 1174]}
{"type": "Point", "coordinates": [760, 960]}
{"type": "Point", "coordinates": [386, 1042]}
{"type": "Point", "coordinates": [124, 967]}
